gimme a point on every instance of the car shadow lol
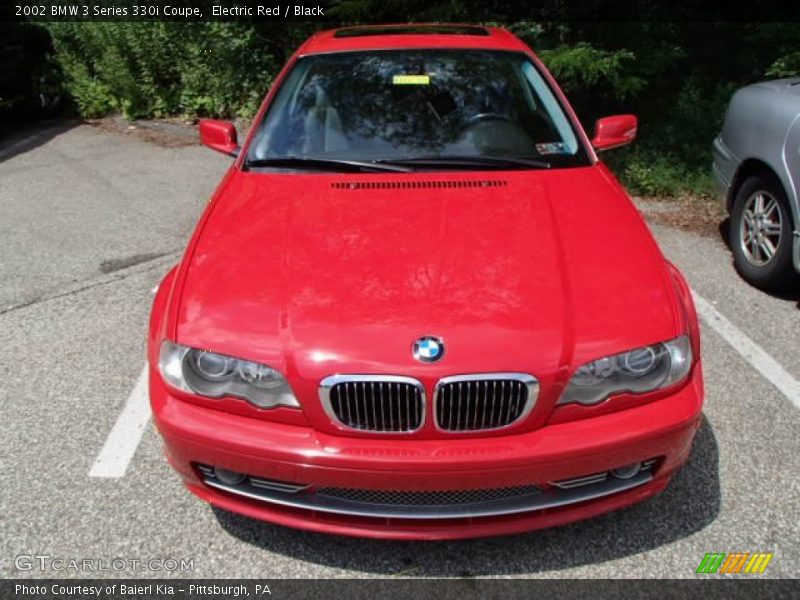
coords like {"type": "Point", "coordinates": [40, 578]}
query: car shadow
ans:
{"type": "Point", "coordinates": [690, 503]}
{"type": "Point", "coordinates": [724, 231]}
{"type": "Point", "coordinates": [18, 138]}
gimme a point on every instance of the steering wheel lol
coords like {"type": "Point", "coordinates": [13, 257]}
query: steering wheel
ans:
{"type": "Point", "coordinates": [487, 116]}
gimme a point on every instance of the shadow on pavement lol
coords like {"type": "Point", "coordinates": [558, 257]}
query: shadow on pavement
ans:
{"type": "Point", "coordinates": [690, 503]}
{"type": "Point", "coordinates": [18, 138]}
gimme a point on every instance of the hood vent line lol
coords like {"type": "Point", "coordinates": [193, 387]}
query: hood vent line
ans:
{"type": "Point", "coordinates": [419, 184]}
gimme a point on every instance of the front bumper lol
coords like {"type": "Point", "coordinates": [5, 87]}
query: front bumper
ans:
{"type": "Point", "coordinates": [723, 168]}
{"type": "Point", "coordinates": [195, 435]}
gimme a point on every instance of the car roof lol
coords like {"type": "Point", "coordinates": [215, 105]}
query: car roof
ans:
{"type": "Point", "coordinates": [412, 35]}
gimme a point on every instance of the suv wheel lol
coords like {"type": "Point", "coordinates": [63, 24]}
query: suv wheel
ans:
{"type": "Point", "coordinates": [761, 233]}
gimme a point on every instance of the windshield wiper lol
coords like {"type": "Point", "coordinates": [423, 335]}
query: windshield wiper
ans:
{"type": "Point", "coordinates": [466, 161]}
{"type": "Point", "coordinates": [312, 162]}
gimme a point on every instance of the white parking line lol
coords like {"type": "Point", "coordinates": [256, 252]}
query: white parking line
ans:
{"type": "Point", "coordinates": [754, 354]}
{"type": "Point", "coordinates": [121, 443]}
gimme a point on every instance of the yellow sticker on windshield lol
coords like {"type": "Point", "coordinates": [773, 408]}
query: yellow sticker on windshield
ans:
{"type": "Point", "coordinates": [411, 79]}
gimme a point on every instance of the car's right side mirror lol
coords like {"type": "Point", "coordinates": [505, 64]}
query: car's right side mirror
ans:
{"type": "Point", "coordinates": [613, 132]}
{"type": "Point", "coordinates": [219, 136]}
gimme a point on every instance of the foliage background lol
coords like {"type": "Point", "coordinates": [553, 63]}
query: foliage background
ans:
{"type": "Point", "coordinates": [677, 77]}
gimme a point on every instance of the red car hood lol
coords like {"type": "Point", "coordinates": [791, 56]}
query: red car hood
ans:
{"type": "Point", "coordinates": [516, 271]}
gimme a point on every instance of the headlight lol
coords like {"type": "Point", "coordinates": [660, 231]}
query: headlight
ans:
{"type": "Point", "coordinates": [637, 371]}
{"type": "Point", "coordinates": [215, 375]}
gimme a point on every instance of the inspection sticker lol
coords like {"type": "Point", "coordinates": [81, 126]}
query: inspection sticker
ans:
{"type": "Point", "coordinates": [552, 148]}
{"type": "Point", "coordinates": [411, 79]}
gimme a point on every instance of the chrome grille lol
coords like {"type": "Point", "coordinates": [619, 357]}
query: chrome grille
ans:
{"type": "Point", "coordinates": [421, 498]}
{"type": "Point", "coordinates": [386, 404]}
{"type": "Point", "coordinates": [489, 401]}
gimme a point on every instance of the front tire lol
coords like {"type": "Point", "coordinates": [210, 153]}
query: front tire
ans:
{"type": "Point", "coordinates": [761, 234]}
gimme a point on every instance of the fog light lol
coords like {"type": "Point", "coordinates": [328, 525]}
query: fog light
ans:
{"type": "Point", "coordinates": [228, 477]}
{"type": "Point", "coordinates": [627, 472]}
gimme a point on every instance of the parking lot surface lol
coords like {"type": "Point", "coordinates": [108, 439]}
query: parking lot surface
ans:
{"type": "Point", "coordinates": [89, 223]}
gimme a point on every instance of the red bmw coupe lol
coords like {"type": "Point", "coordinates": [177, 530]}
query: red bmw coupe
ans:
{"type": "Point", "coordinates": [418, 306]}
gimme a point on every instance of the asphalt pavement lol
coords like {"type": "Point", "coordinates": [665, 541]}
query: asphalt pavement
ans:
{"type": "Point", "coordinates": [90, 221]}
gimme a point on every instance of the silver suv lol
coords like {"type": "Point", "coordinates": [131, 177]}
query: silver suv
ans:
{"type": "Point", "coordinates": [757, 168]}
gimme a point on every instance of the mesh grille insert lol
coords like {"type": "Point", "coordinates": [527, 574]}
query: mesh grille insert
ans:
{"type": "Point", "coordinates": [444, 498]}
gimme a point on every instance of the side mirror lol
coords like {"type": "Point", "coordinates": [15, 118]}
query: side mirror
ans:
{"type": "Point", "coordinates": [219, 136]}
{"type": "Point", "coordinates": [613, 132]}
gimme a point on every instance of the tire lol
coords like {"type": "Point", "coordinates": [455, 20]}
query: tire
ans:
{"type": "Point", "coordinates": [761, 234]}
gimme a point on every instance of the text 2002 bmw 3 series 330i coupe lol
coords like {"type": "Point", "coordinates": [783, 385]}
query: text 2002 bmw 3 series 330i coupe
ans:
{"type": "Point", "coordinates": [418, 306]}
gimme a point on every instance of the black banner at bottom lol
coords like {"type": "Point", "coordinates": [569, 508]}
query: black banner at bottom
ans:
{"type": "Point", "coordinates": [369, 589]}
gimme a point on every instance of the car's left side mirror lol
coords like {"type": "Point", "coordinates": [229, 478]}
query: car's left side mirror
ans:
{"type": "Point", "coordinates": [613, 132]}
{"type": "Point", "coordinates": [219, 136]}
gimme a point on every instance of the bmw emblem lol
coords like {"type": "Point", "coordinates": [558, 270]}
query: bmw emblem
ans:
{"type": "Point", "coordinates": [428, 349]}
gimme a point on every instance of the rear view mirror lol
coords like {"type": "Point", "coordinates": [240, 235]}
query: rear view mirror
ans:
{"type": "Point", "coordinates": [219, 136]}
{"type": "Point", "coordinates": [613, 132]}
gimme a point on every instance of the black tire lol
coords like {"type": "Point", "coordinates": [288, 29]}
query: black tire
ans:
{"type": "Point", "coordinates": [776, 273]}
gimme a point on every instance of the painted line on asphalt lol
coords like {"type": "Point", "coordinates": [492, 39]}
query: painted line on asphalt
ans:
{"type": "Point", "coordinates": [754, 354]}
{"type": "Point", "coordinates": [124, 438]}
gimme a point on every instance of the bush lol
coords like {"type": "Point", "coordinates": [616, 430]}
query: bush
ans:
{"type": "Point", "coordinates": [581, 67]}
{"type": "Point", "coordinates": [786, 66]}
{"type": "Point", "coordinates": [648, 173]}
{"type": "Point", "coordinates": [157, 69]}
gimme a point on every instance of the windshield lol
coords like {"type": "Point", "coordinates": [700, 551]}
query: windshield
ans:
{"type": "Point", "coordinates": [398, 105]}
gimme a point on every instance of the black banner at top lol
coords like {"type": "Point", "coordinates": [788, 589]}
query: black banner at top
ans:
{"type": "Point", "coordinates": [366, 11]}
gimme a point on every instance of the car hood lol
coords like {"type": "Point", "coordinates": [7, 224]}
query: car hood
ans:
{"type": "Point", "coordinates": [521, 271]}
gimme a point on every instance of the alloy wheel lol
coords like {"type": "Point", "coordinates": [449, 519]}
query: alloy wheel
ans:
{"type": "Point", "coordinates": [760, 228]}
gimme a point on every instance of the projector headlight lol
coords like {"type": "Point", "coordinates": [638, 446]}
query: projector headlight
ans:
{"type": "Point", "coordinates": [215, 375]}
{"type": "Point", "coordinates": [636, 371]}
